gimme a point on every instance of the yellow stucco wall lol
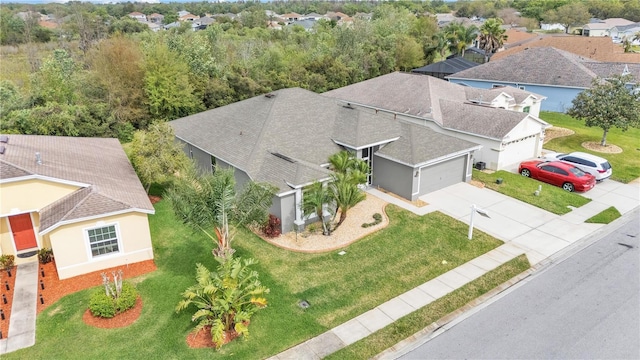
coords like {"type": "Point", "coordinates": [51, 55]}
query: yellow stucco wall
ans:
{"type": "Point", "coordinates": [71, 249]}
{"type": "Point", "coordinates": [31, 195]}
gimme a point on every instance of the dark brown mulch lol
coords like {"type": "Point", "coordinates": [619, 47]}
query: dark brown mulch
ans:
{"type": "Point", "coordinates": [5, 280]}
{"type": "Point", "coordinates": [202, 339]}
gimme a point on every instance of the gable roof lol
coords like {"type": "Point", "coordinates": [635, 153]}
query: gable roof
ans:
{"type": "Point", "coordinates": [98, 166]}
{"type": "Point", "coordinates": [532, 67]}
{"type": "Point", "coordinates": [272, 140]}
{"type": "Point", "coordinates": [421, 96]}
{"type": "Point", "coordinates": [448, 66]}
{"type": "Point", "coordinates": [516, 37]}
{"type": "Point", "coordinates": [595, 48]}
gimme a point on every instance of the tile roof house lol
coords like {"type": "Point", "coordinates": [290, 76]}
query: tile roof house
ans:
{"type": "Point", "coordinates": [79, 197]}
{"type": "Point", "coordinates": [595, 48]}
{"type": "Point", "coordinates": [268, 139]}
{"type": "Point", "coordinates": [138, 16]}
{"type": "Point", "coordinates": [503, 120]}
{"type": "Point", "coordinates": [531, 70]}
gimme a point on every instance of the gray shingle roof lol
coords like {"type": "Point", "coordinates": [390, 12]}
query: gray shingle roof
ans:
{"type": "Point", "coordinates": [99, 166]}
{"type": "Point", "coordinates": [607, 69]}
{"type": "Point", "coordinates": [481, 120]}
{"type": "Point", "coordinates": [284, 138]}
{"type": "Point", "coordinates": [532, 66]}
{"type": "Point", "coordinates": [448, 66]}
{"type": "Point", "coordinates": [421, 95]}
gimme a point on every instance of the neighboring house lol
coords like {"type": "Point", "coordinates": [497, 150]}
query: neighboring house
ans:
{"type": "Point", "coordinates": [268, 139]}
{"type": "Point", "coordinates": [516, 37]}
{"type": "Point", "coordinates": [312, 16]}
{"type": "Point", "coordinates": [307, 24]}
{"type": "Point", "coordinates": [441, 69]}
{"type": "Point", "coordinates": [203, 22]}
{"type": "Point", "coordinates": [290, 17]}
{"type": "Point", "coordinates": [595, 48]}
{"type": "Point", "coordinates": [552, 27]}
{"type": "Point", "coordinates": [503, 120]}
{"type": "Point", "coordinates": [603, 27]}
{"type": "Point", "coordinates": [188, 17]}
{"type": "Point", "coordinates": [79, 197]}
{"type": "Point", "coordinates": [620, 33]}
{"type": "Point", "coordinates": [154, 26]}
{"type": "Point", "coordinates": [555, 74]}
{"type": "Point", "coordinates": [156, 18]}
{"type": "Point", "coordinates": [138, 16]}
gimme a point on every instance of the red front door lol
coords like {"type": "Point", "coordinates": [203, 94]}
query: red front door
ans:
{"type": "Point", "coordinates": [22, 230]}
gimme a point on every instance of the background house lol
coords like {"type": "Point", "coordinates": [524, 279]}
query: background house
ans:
{"type": "Point", "coordinates": [441, 69]}
{"type": "Point", "coordinates": [504, 120]}
{"type": "Point", "coordinates": [268, 139]}
{"type": "Point", "coordinates": [79, 197]}
{"type": "Point", "coordinates": [531, 70]}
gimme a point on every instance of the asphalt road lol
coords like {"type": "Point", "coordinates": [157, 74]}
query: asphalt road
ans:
{"type": "Point", "coordinates": [585, 307]}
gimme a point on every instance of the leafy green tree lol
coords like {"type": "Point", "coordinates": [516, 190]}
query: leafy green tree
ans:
{"type": "Point", "coordinates": [167, 84]}
{"type": "Point", "coordinates": [156, 156]}
{"type": "Point", "coordinates": [610, 103]}
{"type": "Point", "coordinates": [460, 36]}
{"type": "Point", "coordinates": [57, 80]}
{"type": "Point", "coordinates": [12, 28]}
{"type": "Point", "coordinates": [127, 25]}
{"type": "Point", "coordinates": [572, 14]}
{"type": "Point", "coordinates": [57, 119]}
{"type": "Point", "coordinates": [492, 37]}
{"type": "Point", "coordinates": [409, 54]}
{"type": "Point", "coordinates": [210, 203]}
{"type": "Point", "coordinates": [226, 298]}
{"type": "Point", "coordinates": [10, 97]}
{"type": "Point", "coordinates": [314, 200]}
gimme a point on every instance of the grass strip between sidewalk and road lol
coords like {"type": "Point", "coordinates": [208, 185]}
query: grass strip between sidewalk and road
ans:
{"type": "Point", "coordinates": [605, 216]}
{"type": "Point", "coordinates": [552, 198]}
{"type": "Point", "coordinates": [416, 321]}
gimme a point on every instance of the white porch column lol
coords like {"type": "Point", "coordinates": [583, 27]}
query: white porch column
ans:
{"type": "Point", "coordinates": [299, 221]}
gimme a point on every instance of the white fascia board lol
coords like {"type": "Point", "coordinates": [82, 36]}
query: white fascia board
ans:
{"type": "Point", "coordinates": [300, 186]}
{"type": "Point", "coordinates": [100, 216]}
{"type": "Point", "coordinates": [432, 161]}
{"type": "Point", "coordinates": [519, 83]}
{"type": "Point", "coordinates": [44, 178]}
{"type": "Point", "coordinates": [368, 145]}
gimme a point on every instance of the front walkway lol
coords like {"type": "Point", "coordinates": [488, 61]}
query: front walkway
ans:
{"type": "Point", "coordinates": [22, 323]}
{"type": "Point", "coordinates": [524, 228]}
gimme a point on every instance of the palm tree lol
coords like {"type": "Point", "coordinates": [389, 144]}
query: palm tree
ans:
{"type": "Point", "coordinates": [313, 202]}
{"type": "Point", "coordinates": [460, 37]}
{"type": "Point", "coordinates": [440, 43]}
{"type": "Point", "coordinates": [210, 203]}
{"type": "Point", "coordinates": [492, 37]}
{"type": "Point", "coordinates": [346, 193]}
{"type": "Point", "coordinates": [226, 299]}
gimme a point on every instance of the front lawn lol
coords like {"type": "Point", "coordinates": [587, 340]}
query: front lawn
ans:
{"type": "Point", "coordinates": [626, 165]}
{"type": "Point", "coordinates": [552, 198]}
{"type": "Point", "coordinates": [375, 269]}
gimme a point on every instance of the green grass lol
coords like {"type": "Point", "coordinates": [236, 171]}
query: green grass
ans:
{"type": "Point", "coordinates": [626, 165]}
{"type": "Point", "coordinates": [552, 198]}
{"type": "Point", "coordinates": [375, 269]}
{"type": "Point", "coordinates": [605, 217]}
{"type": "Point", "coordinates": [414, 322]}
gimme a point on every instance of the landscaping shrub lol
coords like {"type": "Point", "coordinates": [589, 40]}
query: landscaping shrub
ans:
{"type": "Point", "coordinates": [106, 306]}
{"type": "Point", "coordinates": [45, 255]}
{"type": "Point", "coordinates": [272, 227]}
{"type": "Point", "coordinates": [377, 219]}
{"type": "Point", "coordinates": [6, 261]}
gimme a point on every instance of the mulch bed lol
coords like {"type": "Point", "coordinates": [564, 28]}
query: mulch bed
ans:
{"type": "Point", "coordinates": [6, 294]}
{"type": "Point", "coordinates": [120, 320]}
{"type": "Point", "coordinates": [202, 339]}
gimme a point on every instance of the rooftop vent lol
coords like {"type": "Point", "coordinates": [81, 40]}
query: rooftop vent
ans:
{"type": "Point", "coordinates": [269, 95]}
{"type": "Point", "coordinates": [283, 157]}
{"type": "Point", "coordinates": [38, 158]}
{"type": "Point", "coordinates": [4, 139]}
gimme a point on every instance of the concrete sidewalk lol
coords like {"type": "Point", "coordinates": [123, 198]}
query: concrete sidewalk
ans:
{"type": "Point", "coordinates": [22, 323]}
{"type": "Point", "coordinates": [525, 229]}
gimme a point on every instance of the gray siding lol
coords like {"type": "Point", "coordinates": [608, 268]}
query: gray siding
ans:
{"type": "Point", "coordinates": [441, 175]}
{"type": "Point", "coordinates": [286, 211]}
{"type": "Point", "coordinates": [393, 177]}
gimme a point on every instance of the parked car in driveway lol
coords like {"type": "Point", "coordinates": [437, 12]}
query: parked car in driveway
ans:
{"type": "Point", "coordinates": [558, 173]}
{"type": "Point", "coordinates": [594, 165]}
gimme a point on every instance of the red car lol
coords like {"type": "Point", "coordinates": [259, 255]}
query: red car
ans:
{"type": "Point", "coordinates": [558, 173]}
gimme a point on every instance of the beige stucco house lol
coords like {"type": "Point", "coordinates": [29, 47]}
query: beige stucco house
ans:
{"type": "Point", "coordinates": [79, 197]}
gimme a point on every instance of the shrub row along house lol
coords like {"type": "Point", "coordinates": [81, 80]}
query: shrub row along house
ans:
{"type": "Point", "coordinates": [417, 133]}
{"type": "Point", "coordinates": [79, 197]}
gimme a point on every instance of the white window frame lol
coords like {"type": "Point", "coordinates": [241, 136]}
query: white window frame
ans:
{"type": "Point", "coordinates": [101, 225]}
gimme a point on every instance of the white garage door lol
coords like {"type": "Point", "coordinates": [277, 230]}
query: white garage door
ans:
{"type": "Point", "coordinates": [441, 175]}
{"type": "Point", "coordinates": [518, 151]}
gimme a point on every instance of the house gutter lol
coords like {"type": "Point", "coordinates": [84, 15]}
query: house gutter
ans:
{"type": "Point", "coordinates": [99, 216]}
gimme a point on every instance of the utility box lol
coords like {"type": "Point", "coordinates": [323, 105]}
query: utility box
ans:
{"type": "Point", "coordinates": [480, 165]}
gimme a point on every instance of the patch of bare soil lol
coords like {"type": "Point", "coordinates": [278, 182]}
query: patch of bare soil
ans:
{"type": "Point", "coordinates": [607, 149]}
{"type": "Point", "coordinates": [154, 199]}
{"type": "Point", "coordinates": [477, 183]}
{"type": "Point", "coordinates": [202, 339]}
{"type": "Point", "coordinates": [556, 132]}
{"type": "Point", "coordinates": [120, 320]}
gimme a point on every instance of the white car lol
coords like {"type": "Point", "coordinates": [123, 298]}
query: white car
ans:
{"type": "Point", "coordinates": [594, 165]}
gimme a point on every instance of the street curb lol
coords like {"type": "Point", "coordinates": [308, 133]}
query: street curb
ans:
{"type": "Point", "coordinates": [423, 336]}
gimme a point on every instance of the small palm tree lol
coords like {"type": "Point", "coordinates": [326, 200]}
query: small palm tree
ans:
{"type": "Point", "coordinates": [210, 203]}
{"type": "Point", "coordinates": [226, 299]}
{"type": "Point", "coordinates": [346, 193]}
{"type": "Point", "coordinates": [313, 202]}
